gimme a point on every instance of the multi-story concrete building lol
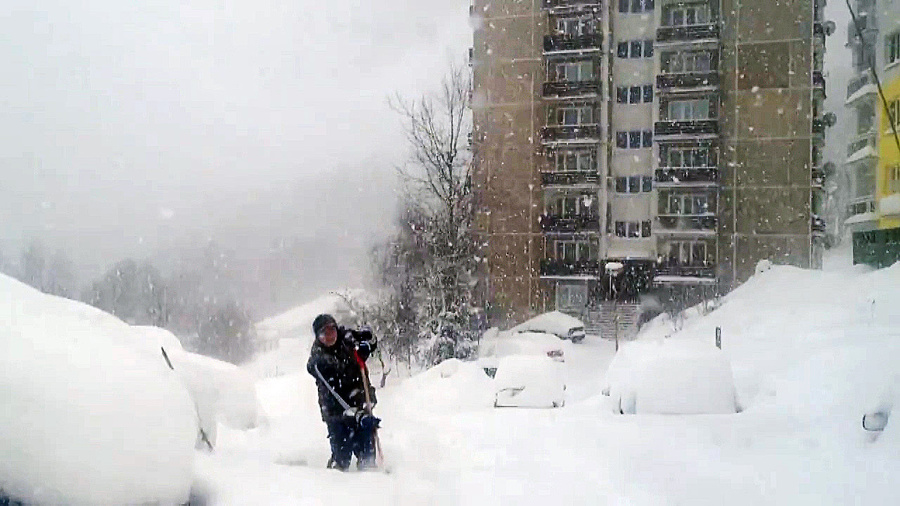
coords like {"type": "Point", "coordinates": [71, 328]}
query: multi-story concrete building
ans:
{"type": "Point", "coordinates": [625, 147]}
{"type": "Point", "coordinates": [873, 155]}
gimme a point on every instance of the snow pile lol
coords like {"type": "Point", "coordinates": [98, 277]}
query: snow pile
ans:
{"type": "Point", "coordinates": [671, 377]}
{"type": "Point", "coordinates": [154, 338]}
{"type": "Point", "coordinates": [450, 386]}
{"type": "Point", "coordinates": [297, 322]}
{"type": "Point", "coordinates": [87, 417]}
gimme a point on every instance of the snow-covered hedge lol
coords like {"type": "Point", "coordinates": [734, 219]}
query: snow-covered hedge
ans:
{"type": "Point", "coordinates": [87, 418]}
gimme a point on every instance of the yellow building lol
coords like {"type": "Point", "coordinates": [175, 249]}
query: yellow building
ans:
{"type": "Point", "coordinates": [874, 158]}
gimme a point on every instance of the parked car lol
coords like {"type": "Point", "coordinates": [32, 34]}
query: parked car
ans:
{"type": "Point", "coordinates": [670, 377]}
{"type": "Point", "coordinates": [529, 381]}
{"type": "Point", "coordinates": [559, 324]}
{"type": "Point", "coordinates": [496, 345]}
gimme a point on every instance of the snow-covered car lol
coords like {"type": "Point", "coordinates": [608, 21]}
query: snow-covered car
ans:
{"type": "Point", "coordinates": [87, 418]}
{"type": "Point", "coordinates": [496, 345]}
{"type": "Point", "coordinates": [529, 381]}
{"type": "Point", "coordinates": [222, 392]}
{"type": "Point", "coordinates": [559, 324]}
{"type": "Point", "coordinates": [670, 377]}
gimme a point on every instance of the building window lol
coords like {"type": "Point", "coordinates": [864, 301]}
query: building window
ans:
{"type": "Point", "coordinates": [893, 174]}
{"type": "Point", "coordinates": [574, 115]}
{"type": "Point", "coordinates": [686, 14]}
{"type": "Point", "coordinates": [634, 184]}
{"type": "Point", "coordinates": [892, 48]}
{"type": "Point", "coordinates": [635, 49]}
{"type": "Point", "coordinates": [684, 204]}
{"type": "Point", "coordinates": [687, 110]}
{"type": "Point", "coordinates": [894, 110]}
{"type": "Point", "coordinates": [634, 94]}
{"type": "Point", "coordinates": [575, 251]}
{"type": "Point", "coordinates": [635, 6]}
{"type": "Point", "coordinates": [572, 71]}
{"type": "Point", "coordinates": [686, 158]}
{"type": "Point", "coordinates": [571, 296]}
{"type": "Point", "coordinates": [685, 62]}
{"type": "Point", "coordinates": [573, 160]}
{"type": "Point", "coordinates": [632, 229]}
{"type": "Point", "coordinates": [571, 206]}
{"type": "Point", "coordinates": [634, 139]}
{"type": "Point", "coordinates": [648, 93]}
{"type": "Point", "coordinates": [686, 253]}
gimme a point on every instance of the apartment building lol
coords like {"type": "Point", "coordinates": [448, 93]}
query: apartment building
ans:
{"type": "Point", "coordinates": [634, 147]}
{"type": "Point", "coordinates": [873, 154]}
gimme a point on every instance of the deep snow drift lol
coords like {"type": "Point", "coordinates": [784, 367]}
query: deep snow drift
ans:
{"type": "Point", "coordinates": [810, 351]}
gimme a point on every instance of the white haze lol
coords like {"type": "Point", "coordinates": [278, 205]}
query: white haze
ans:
{"type": "Point", "coordinates": [147, 129]}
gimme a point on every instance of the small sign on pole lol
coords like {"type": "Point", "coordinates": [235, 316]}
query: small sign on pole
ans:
{"type": "Point", "coordinates": [719, 337]}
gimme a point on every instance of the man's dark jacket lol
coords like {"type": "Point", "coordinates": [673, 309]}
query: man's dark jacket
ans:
{"type": "Point", "coordinates": [340, 369]}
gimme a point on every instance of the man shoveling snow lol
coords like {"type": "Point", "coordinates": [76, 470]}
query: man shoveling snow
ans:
{"type": "Point", "coordinates": [337, 361]}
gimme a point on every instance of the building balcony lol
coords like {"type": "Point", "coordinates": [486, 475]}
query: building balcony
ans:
{"type": "Point", "coordinates": [860, 87]}
{"type": "Point", "coordinates": [580, 223]}
{"type": "Point", "coordinates": [553, 267]}
{"type": "Point", "coordinates": [570, 43]}
{"type": "Point", "coordinates": [863, 147]}
{"type": "Point", "coordinates": [571, 89]}
{"type": "Point", "coordinates": [570, 178]}
{"type": "Point", "coordinates": [817, 177]}
{"type": "Point", "coordinates": [558, 5]}
{"type": "Point", "coordinates": [698, 128]}
{"type": "Point", "coordinates": [818, 82]}
{"type": "Point", "coordinates": [696, 224]}
{"type": "Point", "coordinates": [675, 273]}
{"type": "Point", "coordinates": [571, 134]}
{"type": "Point", "coordinates": [687, 81]}
{"type": "Point", "coordinates": [817, 225]}
{"type": "Point", "coordinates": [688, 34]}
{"type": "Point", "coordinates": [861, 206]}
{"type": "Point", "coordinates": [680, 176]}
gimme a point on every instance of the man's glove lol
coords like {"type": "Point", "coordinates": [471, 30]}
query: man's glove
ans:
{"type": "Point", "coordinates": [364, 420]}
{"type": "Point", "coordinates": [364, 349]}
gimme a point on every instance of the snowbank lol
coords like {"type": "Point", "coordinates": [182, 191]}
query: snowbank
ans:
{"type": "Point", "coordinates": [450, 386]}
{"type": "Point", "coordinates": [87, 417]}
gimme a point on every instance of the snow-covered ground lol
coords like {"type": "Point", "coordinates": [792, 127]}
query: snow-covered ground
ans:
{"type": "Point", "coordinates": [810, 351]}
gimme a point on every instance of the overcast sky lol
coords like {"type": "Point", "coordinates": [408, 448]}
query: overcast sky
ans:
{"type": "Point", "coordinates": [127, 128]}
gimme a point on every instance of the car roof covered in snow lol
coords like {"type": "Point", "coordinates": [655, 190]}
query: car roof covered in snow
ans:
{"type": "Point", "coordinates": [554, 322]}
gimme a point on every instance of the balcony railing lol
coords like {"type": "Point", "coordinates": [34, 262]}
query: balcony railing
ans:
{"type": "Point", "coordinates": [571, 88]}
{"type": "Point", "coordinates": [553, 267]}
{"type": "Point", "coordinates": [694, 271]}
{"type": "Point", "coordinates": [554, 43]}
{"type": "Point", "coordinates": [861, 205]}
{"type": "Point", "coordinates": [569, 178]}
{"type": "Point", "coordinates": [588, 222]}
{"type": "Point", "coordinates": [554, 133]}
{"type": "Point", "coordinates": [687, 33]}
{"type": "Point", "coordinates": [570, 4]}
{"type": "Point", "coordinates": [817, 225]}
{"type": "Point", "coordinates": [863, 141]}
{"type": "Point", "coordinates": [818, 81]}
{"type": "Point", "coordinates": [858, 82]}
{"type": "Point", "coordinates": [679, 175]}
{"type": "Point", "coordinates": [818, 127]}
{"type": "Point", "coordinates": [695, 127]}
{"type": "Point", "coordinates": [686, 223]}
{"type": "Point", "coordinates": [687, 80]}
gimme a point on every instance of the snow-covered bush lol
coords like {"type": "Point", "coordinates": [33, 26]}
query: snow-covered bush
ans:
{"type": "Point", "coordinates": [87, 417]}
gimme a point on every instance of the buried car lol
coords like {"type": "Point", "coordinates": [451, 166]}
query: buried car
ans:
{"type": "Point", "coordinates": [529, 381]}
{"type": "Point", "coordinates": [496, 345]}
{"type": "Point", "coordinates": [559, 324]}
{"type": "Point", "coordinates": [670, 377]}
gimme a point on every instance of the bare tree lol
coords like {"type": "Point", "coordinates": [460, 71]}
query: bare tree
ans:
{"type": "Point", "coordinates": [431, 260]}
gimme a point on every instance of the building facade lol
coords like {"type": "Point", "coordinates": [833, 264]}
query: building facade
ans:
{"type": "Point", "coordinates": [873, 155]}
{"type": "Point", "coordinates": [632, 147]}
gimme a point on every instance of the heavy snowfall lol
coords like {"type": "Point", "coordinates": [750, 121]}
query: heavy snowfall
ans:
{"type": "Point", "coordinates": [94, 414]}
